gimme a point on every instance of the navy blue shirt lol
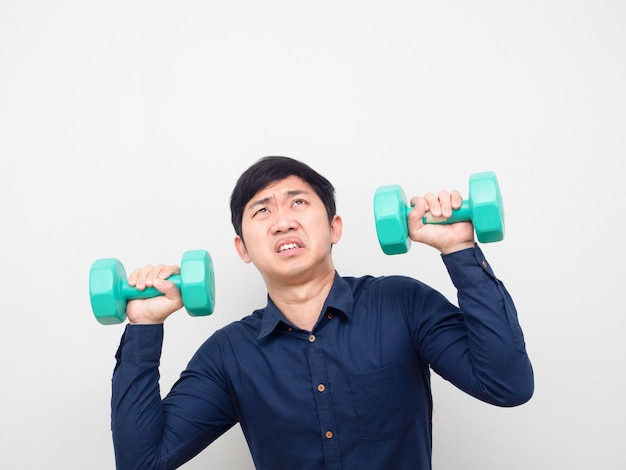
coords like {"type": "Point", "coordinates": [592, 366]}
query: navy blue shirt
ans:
{"type": "Point", "coordinates": [353, 393]}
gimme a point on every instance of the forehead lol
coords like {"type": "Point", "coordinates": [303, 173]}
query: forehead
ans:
{"type": "Point", "coordinates": [284, 187]}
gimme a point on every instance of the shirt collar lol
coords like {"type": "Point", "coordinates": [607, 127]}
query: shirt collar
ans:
{"type": "Point", "coordinates": [340, 299]}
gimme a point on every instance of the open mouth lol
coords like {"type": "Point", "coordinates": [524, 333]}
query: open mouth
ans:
{"type": "Point", "coordinates": [287, 246]}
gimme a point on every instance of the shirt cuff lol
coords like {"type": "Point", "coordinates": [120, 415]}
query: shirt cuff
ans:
{"type": "Point", "coordinates": [141, 343]}
{"type": "Point", "coordinates": [468, 267]}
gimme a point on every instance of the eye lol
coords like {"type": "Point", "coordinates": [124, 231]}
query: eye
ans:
{"type": "Point", "coordinates": [262, 210]}
{"type": "Point", "coordinates": [298, 202]}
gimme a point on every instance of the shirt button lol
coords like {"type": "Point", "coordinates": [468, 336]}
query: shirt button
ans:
{"type": "Point", "coordinates": [329, 434]}
{"type": "Point", "coordinates": [311, 338]}
{"type": "Point", "coordinates": [321, 387]}
{"type": "Point", "coordinates": [330, 316]}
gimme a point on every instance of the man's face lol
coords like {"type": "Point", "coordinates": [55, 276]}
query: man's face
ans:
{"type": "Point", "coordinates": [287, 233]}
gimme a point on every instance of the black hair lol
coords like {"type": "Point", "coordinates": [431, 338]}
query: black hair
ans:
{"type": "Point", "coordinates": [268, 170]}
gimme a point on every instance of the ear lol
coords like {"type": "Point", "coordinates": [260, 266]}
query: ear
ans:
{"type": "Point", "coordinates": [240, 247]}
{"type": "Point", "coordinates": [336, 229]}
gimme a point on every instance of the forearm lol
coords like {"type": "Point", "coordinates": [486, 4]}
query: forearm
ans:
{"type": "Point", "coordinates": [136, 409]}
{"type": "Point", "coordinates": [501, 372]}
{"type": "Point", "coordinates": [150, 433]}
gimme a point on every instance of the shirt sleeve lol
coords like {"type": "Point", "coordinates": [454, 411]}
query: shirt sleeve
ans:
{"type": "Point", "coordinates": [478, 347]}
{"type": "Point", "coordinates": [151, 433]}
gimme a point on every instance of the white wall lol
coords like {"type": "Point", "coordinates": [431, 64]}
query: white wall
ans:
{"type": "Point", "coordinates": [124, 125]}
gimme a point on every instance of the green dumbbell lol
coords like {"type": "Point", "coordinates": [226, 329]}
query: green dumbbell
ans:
{"type": "Point", "coordinates": [109, 290]}
{"type": "Point", "coordinates": [483, 208]}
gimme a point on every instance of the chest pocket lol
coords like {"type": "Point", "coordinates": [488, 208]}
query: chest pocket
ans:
{"type": "Point", "coordinates": [385, 401]}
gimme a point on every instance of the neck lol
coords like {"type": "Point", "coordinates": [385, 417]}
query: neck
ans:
{"type": "Point", "coordinates": [302, 303]}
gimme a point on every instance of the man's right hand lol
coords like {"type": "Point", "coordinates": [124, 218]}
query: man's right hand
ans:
{"type": "Point", "coordinates": [157, 309]}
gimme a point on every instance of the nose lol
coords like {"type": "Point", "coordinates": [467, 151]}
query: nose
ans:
{"type": "Point", "coordinates": [283, 221]}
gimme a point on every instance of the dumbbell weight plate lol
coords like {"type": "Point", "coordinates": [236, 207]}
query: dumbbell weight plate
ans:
{"type": "Point", "coordinates": [391, 211]}
{"type": "Point", "coordinates": [198, 283]}
{"type": "Point", "coordinates": [487, 207]}
{"type": "Point", "coordinates": [106, 278]}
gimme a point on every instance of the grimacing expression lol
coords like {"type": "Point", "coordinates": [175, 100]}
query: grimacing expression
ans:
{"type": "Point", "coordinates": [285, 229]}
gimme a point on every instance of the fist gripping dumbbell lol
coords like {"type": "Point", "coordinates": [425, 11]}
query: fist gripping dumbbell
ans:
{"type": "Point", "coordinates": [109, 290]}
{"type": "Point", "coordinates": [483, 208]}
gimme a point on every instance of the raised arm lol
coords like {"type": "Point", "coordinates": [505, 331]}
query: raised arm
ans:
{"type": "Point", "coordinates": [148, 432]}
{"type": "Point", "coordinates": [480, 349]}
{"type": "Point", "coordinates": [480, 346]}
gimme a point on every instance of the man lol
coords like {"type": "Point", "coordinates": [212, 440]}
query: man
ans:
{"type": "Point", "coordinates": [334, 373]}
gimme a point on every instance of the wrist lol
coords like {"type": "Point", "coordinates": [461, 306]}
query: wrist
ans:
{"type": "Point", "coordinates": [145, 322]}
{"type": "Point", "coordinates": [458, 247]}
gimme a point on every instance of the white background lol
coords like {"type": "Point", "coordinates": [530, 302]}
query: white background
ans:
{"type": "Point", "coordinates": [123, 128]}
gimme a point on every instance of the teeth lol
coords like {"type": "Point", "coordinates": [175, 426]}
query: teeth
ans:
{"type": "Point", "coordinates": [287, 246]}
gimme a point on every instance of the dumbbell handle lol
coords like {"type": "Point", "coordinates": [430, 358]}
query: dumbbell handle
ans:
{"type": "Point", "coordinates": [462, 214]}
{"type": "Point", "coordinates": [132, 293]}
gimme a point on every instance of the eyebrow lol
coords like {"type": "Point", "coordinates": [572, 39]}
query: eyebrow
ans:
{"type": "Point", "coordinates": [265, 200]}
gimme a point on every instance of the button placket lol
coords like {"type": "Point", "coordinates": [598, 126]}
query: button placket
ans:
{"type": "Point", "coordinates": [324, 407]}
